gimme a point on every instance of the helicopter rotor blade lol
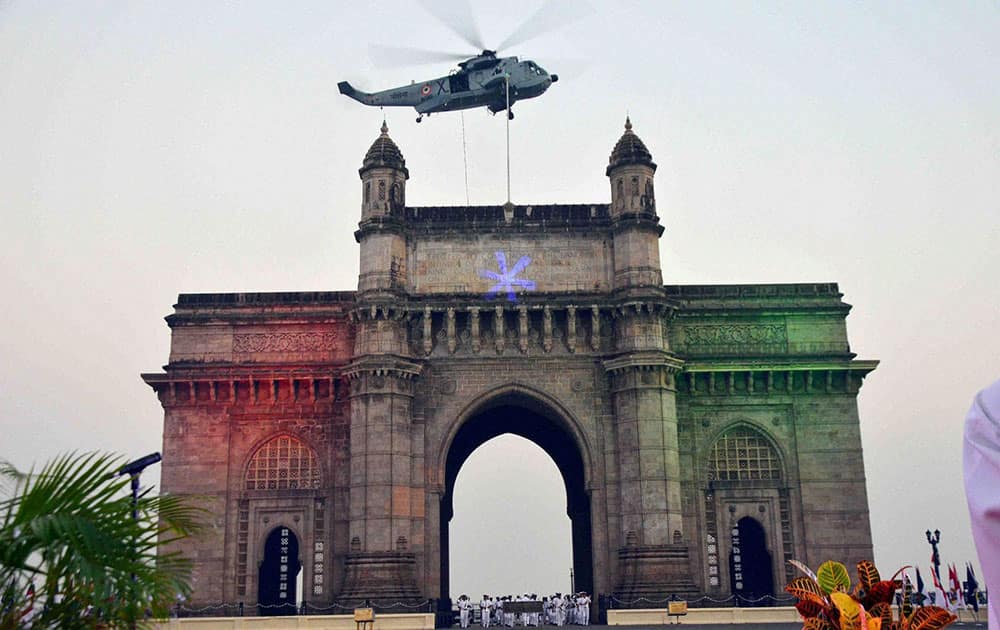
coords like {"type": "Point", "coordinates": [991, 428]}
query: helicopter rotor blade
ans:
{"type": "Point", "coordinates": [398, 56]}
{"type": "Point", "coordinates": [566, 68]}
{"type": "Point", "coordinates": [457, 16]}
{"type": "Point", "coordinates": [552, 15]}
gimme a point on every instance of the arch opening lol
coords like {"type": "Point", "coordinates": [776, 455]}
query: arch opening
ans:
{"type": "Point", "coordinates": [504, 491]}
{"type": "Point", "coordinates": [526, 418]}
{"type": "Point", "coordinates": [278, 573]}
{"type": "Point", "coordinates": [750, 566]}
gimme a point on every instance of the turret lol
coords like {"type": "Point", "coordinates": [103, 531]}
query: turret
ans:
{"type": "Point", "coordinates": [637, 228]}
{"type": "Point", "coordinates": [383, 178]}
{"type": "Point", "coordinates": [383, 244]}
{"type": "Point", "coordinates": [631, 170]}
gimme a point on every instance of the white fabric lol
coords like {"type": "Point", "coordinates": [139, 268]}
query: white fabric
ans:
{"type": "Point", "coordinates": [484, 612]}
{"type": "Point", "coordinates": [464, 610]}
{"type": "Point", "coordinates": [981, 461]}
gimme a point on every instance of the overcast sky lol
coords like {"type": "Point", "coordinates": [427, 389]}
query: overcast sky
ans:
{"type": "Point", "coordinates": [154, 148]}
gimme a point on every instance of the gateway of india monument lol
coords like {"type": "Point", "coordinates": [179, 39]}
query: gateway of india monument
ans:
{"type": "Point", "coordinates": [706, 434]}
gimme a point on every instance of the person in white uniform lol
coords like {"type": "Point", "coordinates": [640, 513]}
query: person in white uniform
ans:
{"type": "Point", "coordinates": [484, 611]}
{"type": "Point", "coordinates": [981, 463]}
{"type": "Point", "coordinates": [464, 610]}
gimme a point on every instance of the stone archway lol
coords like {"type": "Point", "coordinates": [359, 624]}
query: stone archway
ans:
{"type": "Point", "coordinates": [750, 565]}
{"type": "Point", "coordinates": [278, 572]}
{"type": "Point", "coordinates": [526, 415]}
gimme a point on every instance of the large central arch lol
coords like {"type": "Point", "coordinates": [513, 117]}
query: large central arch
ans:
{"type": "Point", "coordinates": [531, 415]}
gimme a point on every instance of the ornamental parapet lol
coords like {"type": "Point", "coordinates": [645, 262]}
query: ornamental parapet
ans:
{"type": "Point", "coordinates": [509, 217]}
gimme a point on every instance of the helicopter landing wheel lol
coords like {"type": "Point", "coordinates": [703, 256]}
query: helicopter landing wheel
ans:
{"type": "Point", "coordinates": [510, 115]}
{"type": "Point", "coordinates": [420, 117]}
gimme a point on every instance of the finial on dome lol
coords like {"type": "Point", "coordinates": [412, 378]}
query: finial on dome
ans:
{"type": "Point", "coordinates": [385, 128]}
{"type": "Point", "coordinates": [628, 123]}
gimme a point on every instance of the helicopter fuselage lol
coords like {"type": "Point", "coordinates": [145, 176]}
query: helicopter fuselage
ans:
{"type": "Point", "coordinates": [479, 82]}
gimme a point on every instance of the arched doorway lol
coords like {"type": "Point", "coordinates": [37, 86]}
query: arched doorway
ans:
{"type": "Point", "coordinates": [524, 416]}
{"type": "Point", "coordinates": [510, 532]}
{"type": "Point", "coordinates": [751, 573]}
{"type": "Point", "coordinates": [278, 572]}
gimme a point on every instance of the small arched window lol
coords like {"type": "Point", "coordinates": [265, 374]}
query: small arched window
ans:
{"type": "Point", "coordinates": [381, 190]}
{"type": "Point", "coordinates": [649, 189]}
{"type": "Point", "coordinates": [395, 196]}
{"type": "Point", "coordinates": [743, 454]}
{"type": "Point", "coordinates": [283, 463]}
{"type": "Point", "coordinates": [368, 191]}
{"type": "Point", "coordinates": [635, 185]}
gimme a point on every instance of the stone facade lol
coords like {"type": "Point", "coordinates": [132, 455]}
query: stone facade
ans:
{"type": "Point", "coordinates": [682, 417]}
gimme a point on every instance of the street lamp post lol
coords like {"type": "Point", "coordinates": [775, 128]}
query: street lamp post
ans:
{"type": "Point", "coordinates": [934, 539]}
{"type": "Point", "coordinates": [133, 469]}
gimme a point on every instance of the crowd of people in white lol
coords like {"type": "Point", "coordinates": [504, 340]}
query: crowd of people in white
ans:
{"type": "Point", "coordinates": [557, 610]}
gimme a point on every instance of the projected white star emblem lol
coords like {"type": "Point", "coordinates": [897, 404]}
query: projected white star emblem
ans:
{"type": "Point", "coordinates": [506, 280]}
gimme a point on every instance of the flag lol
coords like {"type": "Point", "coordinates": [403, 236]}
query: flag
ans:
{"type": "Point", "coordinates": [971, 588]}
{"type": "Point", "coordinates": [920, 597]}
{"type": "Point", "coordinates": [954, 586]}
{"type": "Point", "coordinates": [937, 583]}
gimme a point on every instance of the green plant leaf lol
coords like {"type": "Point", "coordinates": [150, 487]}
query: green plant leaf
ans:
{"type": "Point", "coordinates": [69, 530]}
{"type": "Point", "coordinates": [832, 577]}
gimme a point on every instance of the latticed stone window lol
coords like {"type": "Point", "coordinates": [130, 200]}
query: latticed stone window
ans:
{"type": "Point", "coordinates": [742, 454]}
{"type": "Point", "coordinates": [283, 463]}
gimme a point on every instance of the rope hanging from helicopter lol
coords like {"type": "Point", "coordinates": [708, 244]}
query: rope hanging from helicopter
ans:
{"type": "Point", "coordinates": [465, 161]}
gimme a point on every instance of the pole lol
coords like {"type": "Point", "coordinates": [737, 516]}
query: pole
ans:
{"type": "Point", "coordinates": [133, 470]}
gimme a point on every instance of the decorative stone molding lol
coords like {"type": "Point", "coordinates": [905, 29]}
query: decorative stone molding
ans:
{"type": "Point", "coordinates": [700, 380]}
{"type": "Point", "coordinates": [242, 388]}
{"type": "Point", "coordinates": [395, 366]}
{"type": "Point", "coordinates": [283, 342]}
{"type": "Point", "coordinates": [733, 334]}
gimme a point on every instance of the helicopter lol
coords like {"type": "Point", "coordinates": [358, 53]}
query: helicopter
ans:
{"type": "Point", "coordinates": [484, 80]}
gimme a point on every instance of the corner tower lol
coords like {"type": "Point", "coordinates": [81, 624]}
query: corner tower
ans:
{"type": "Point", "coordinates": [653, 559]}
{"type": "Point", "coordinates": [384, 542]}
{"type": "Point", "coordinates": [637, 227]}
{"type": "Point", "coordinates": [383, 247]}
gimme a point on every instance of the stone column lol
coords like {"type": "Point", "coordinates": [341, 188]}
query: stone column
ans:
{"type": "Point", "coordinates": [653, 554]}
{"type": "Point", "coordinates": [381, 564]}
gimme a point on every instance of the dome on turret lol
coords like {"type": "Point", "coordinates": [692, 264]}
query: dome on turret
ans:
{"type": "Point", "coordinates": [384, 153]}
{"type": "Point", "coordinates": [629, 150]}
